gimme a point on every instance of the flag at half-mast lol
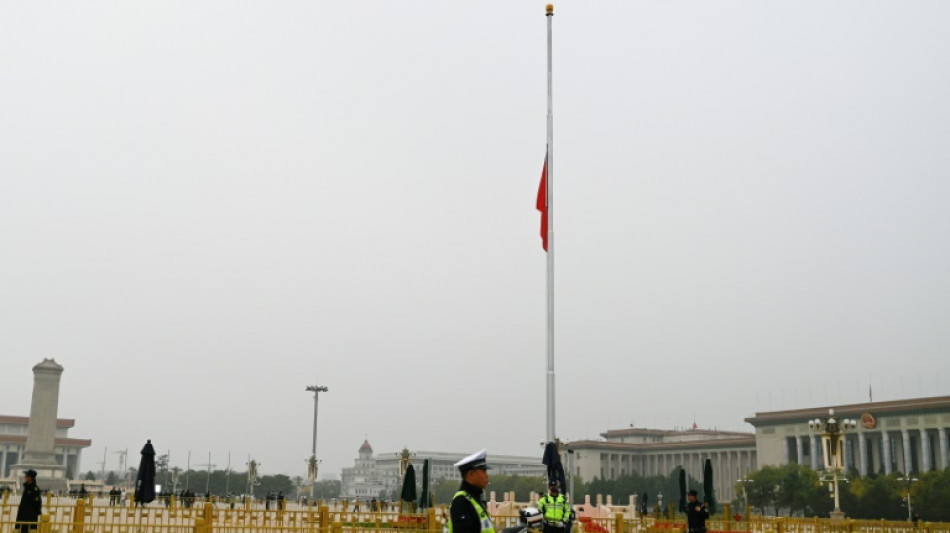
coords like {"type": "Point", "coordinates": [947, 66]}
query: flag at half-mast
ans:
{"type": "Point", "coordinates": [543, 203]}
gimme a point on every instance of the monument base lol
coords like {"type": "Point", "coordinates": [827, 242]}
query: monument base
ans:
{"type": "Point", "coordinates": [837, 516]}
{"type": "Point", "coordinates": [48, 477]}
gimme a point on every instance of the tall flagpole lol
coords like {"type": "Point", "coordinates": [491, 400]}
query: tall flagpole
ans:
{"type": "Point", "coordinates": [550, 235]}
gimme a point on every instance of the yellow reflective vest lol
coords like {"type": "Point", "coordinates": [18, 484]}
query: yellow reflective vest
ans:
{"type": "Point", "coordinates": [555, 510]}
{"type": "Point", "coordinates": [483, 517]}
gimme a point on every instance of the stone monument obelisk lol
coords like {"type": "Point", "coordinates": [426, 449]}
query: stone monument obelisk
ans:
{"type": "Point", "coordinates": [41, 432]}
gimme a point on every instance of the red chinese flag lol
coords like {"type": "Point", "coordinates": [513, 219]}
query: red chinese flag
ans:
{"type": "Point", "coordinates": [543, 203]}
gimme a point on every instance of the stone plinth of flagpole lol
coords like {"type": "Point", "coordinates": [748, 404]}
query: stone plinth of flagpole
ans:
{"type": "Point", "coordinates": [40, 452]}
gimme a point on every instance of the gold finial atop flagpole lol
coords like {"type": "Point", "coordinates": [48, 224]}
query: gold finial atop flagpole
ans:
{"type": "Point", "coordinates": [550, 9]}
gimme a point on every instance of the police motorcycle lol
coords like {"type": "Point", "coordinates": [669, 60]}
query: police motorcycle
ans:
{"type": "Point", "coordinates": [530, 520]}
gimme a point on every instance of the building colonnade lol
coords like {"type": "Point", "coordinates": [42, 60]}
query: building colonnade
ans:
{"type": "Point", "coordinates": [729, 466]}
{"type": "Point", "coordinates": [885, 451]}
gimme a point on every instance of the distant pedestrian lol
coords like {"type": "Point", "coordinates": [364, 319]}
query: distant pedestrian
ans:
{"type": "Point", "coordinates": [696, 514]}
{"type": "Point", "coordinates": [31, 503]}
{"type": "Point", "coordinates": [356, 506]}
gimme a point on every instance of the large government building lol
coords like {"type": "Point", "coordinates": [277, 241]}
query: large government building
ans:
{"type": "Point", "coordinates": [907, 436]}
{"type": "Point", "coordinates": [651, 452]}
{"type": "Point", "coordinates": [896, 436]}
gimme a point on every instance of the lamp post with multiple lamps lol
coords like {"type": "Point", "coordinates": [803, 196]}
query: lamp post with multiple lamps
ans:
{"type": "Point", "coordinates": [175, 473]}
{"type": "Point", "coordinates": [745, 494]}
{"type": "Point", "coordinates": [252, 476]}
{"type": "Point", "coordinates": [313, 463]}
{"type": "Point", "coordinates": [832, 430]}
{"type": "Point", "coordinates": [405, 459]}
{"type": "Point", "coordinates": [910, 507]}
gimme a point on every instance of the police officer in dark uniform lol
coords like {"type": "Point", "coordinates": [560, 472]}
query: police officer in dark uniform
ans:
{"type": "Point", "coordinates": [31, 503]}
{"type": "Point", "coordinates": [696, 514]}
{"type": "Point", "coordinates": [468, 513]}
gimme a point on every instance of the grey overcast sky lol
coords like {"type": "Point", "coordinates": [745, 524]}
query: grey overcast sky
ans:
{"type": "Point", "coordinates": [207, 206]}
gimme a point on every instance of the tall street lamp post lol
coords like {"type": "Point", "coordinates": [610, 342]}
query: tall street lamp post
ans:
{"type": "Point", "coordinates": [251, 476]}
{"type": "Point", "coordinates": [910, 506]}
{"type": "Point", "coordinates": [313, 464]}
{"type": "Point", "coordinates": [570, 471]}
{"type": "Point", "coordinates": [832, 430]}
{"type": "Point", "coordinates": [745, 494]}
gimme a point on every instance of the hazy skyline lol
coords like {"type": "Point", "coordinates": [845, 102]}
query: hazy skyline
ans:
{"type": "Point", "coordinates": [206, 207]}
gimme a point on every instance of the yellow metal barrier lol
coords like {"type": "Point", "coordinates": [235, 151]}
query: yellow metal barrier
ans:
{"type": "Point", "coordinates": [89, 515]}
{"type": "Point", "coordinates": [79, 516]}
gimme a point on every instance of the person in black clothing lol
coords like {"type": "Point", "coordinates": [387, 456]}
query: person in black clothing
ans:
{"type": "Point", "coordinates": [469, 513]}
{"type": "Point", "coordinates": [696, 514]}
{"type": "Point", "coordinates": [31, 503]}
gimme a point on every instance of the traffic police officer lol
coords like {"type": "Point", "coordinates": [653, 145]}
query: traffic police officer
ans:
{"type": "Point", "coordinates": [469, 513]}
{"type": "Point", "coordinates": [554, 509]}
{"type": "Point", "coordinates": [31, 503]}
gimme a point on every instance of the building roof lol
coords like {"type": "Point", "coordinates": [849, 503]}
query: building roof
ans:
{"type": "Point", "coordinates": [25, 420]}
{"type": "Point", "coordinates": [911, 406]}
{"type": "Point", "coordinates": [747, 440]}
{"type": "Point", "coordinates": [365, 447]}
{"type": "Point", "coordinates": [59, 441]}
{"type": "Point", "coordinates": [699, 434]}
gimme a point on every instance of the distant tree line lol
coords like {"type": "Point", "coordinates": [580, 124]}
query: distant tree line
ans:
{"type": "Point", "coordinates": [796, 490]}
{"type": "Point", "coordinates": [619, 489]}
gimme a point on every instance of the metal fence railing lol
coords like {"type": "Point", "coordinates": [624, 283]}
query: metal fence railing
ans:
{"type": "Point", "coordinates": [89, 515]}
